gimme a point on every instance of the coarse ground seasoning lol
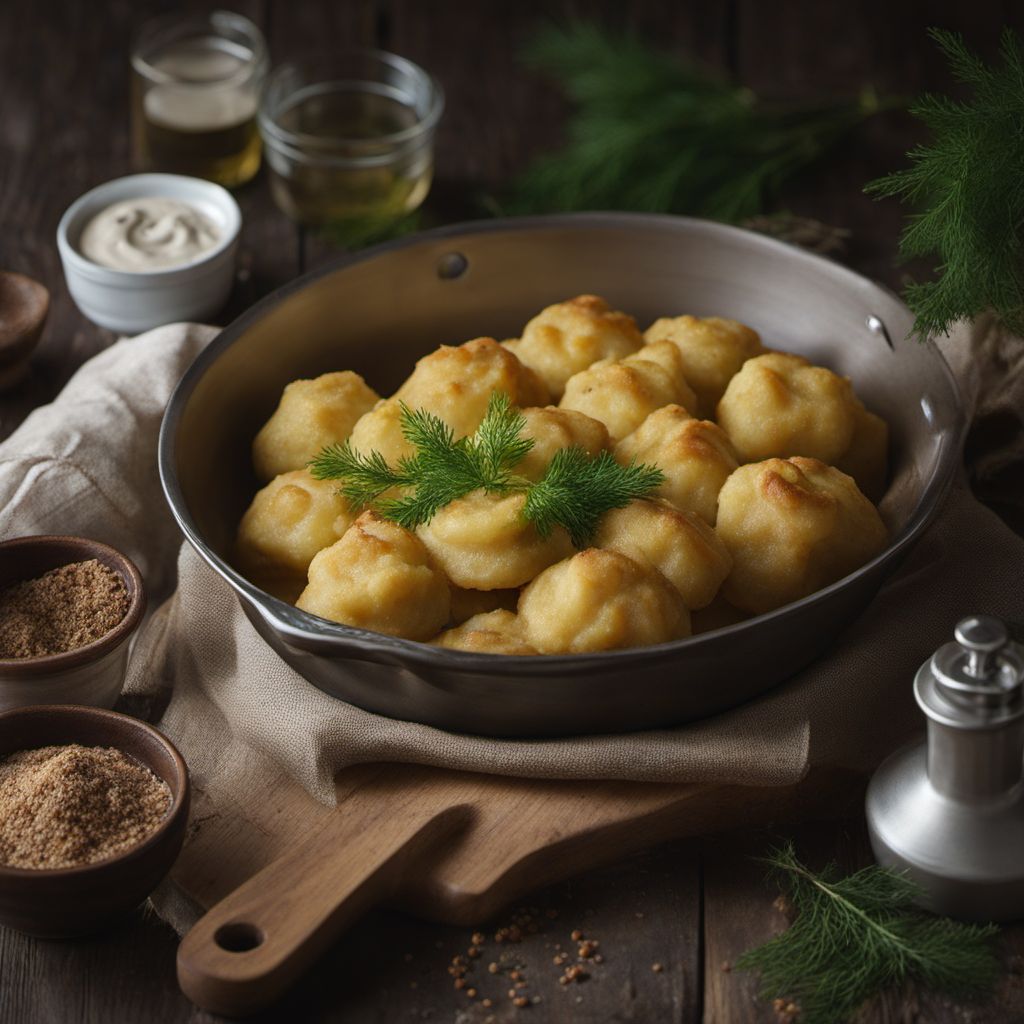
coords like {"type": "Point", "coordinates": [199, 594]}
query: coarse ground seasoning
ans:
{"type": "Point", "coordinates": [65, 608]}
{"type": "Point", "coordinates": [66, 806]}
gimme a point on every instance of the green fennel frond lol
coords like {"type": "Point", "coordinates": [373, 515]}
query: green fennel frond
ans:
{"type": "Point", "coordinates": [578, 489]}
{"type": "Point", "coordinates": [575, 492]}
{"type": "Point", "coordinates": [967, 188]}
{"type": "Point", "coordinates": [854, 937]}
{"type": "Point", "coordinates": [653, 133]}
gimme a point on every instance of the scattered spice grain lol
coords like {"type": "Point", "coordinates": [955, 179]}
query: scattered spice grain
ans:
{"type": "Point", "coordinates": [65, 608]}
{"type": "Point", "coordinates": [65, 806]}
{"type": "Point", "coordinates": [657, 968]}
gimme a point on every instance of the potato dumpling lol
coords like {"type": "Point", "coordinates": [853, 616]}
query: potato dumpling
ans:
{"type": "Point", "coordinates": [696, 457]}
{"type": "Point", "coordinates": [467, 603]}
{"type": "Point", "coordinates": [780, 405]}
{"type": "Point", "coordinates": [552, 429]}
{"type": "Point", "coordinates": [717, 615]}
{"type": "Point", "coordinates": [310, 415]}
{"type": "Point", "coordinates": [567, 337]}
{"type": "Point", "coordinates": [599, 601]}
{"type": "Point", "coordinates": [456, 383]}
{"type": "Point", "coordinates": [381, 430]}
{"type": "Point", "coordinates": [713, 350]}
{"type": "Point", "coordinates": [680, 545]}
{"type": "Point", "coordinates": [496, 632]}
{"type": "Point", "coordinates": [866, 460]}
{"type": "Point", "coordinates": [483, 542]}
{"type": "Point", "coordinates": [378, 576]}
{"type": "Point", "coordinates": [623, 394]}
{"type": "Point", "coordinates": [288, 522]}
{"type": "Point", "coordinates": [792, 527]}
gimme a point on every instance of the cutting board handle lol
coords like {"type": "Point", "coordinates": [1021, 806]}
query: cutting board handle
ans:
{"type": "Point", "coordinates": [247, 949]}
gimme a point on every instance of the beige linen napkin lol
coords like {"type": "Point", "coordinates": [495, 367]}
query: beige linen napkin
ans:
{"type": "Point", "coordinates": [87, 464]}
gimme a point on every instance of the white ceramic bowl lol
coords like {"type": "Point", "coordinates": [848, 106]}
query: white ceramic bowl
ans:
{"type": "Point", "coordinates": [130, 301]}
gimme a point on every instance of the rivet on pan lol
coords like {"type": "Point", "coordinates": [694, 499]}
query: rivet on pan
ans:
{"type": "Point", "coordinates": [451, 265]}
{"type": "Point", "coordinates": [877, 327]}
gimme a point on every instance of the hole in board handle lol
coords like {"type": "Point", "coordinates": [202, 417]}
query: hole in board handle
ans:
{"type": "Point", "coordinates": [452, 265]}
{"type": "Point", "coordinates": [238, 937]}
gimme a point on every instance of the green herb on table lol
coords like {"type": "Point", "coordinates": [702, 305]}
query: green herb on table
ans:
{"type": "Point", "coordinates": [653, 133]}
{"type": "Point", "coordinates": [854, 937]}
{"type": "Point", "coordinates": [575, 492]}
{"type": "Point", "coordinates": [967, 188]}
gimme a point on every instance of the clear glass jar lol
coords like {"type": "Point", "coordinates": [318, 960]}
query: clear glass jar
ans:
{"type": "Point", "coordinates": [350, 138]}
{"type": "Point", "coordinates": [196, 83]}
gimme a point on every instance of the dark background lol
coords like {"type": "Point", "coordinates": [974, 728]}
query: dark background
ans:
{"type": "Point", "coordinates": [692, 906]}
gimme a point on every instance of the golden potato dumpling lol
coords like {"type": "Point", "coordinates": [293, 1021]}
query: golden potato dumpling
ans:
{"type": "Point", "coordinates": [680, 545]}
{"type": "Point", "coordinates": [866, 460]}
{"type": "Point", "coordinates": [717, 615]}
{"type": "Point", "coordinates": [288, 522]}
{"type": "Point", "coordinates": [483, 542]}
{"type": "Point", "coordinates": [552, 429]}
{"type": "Point", "coordinates": [381, 430]}
{"type": "Point", "coordinates": [623, 394]}
{"type": "Point", "coordinates": [378, 576]}
{"type": "Point", "coordinates": [310, 415]}
{"type": "Point", "coordinates": [456, 383]}
{"type": "Point", "coordinates": [780, 405]}
{"type": "Point", "coordinates": [567, 337]}
{"type": "Point", "coordinates": [467, 603]}
{"type": "Point", "coordinates": [496, 632]}
{"type": "Point", "coordinates": [792, 527]}
{"type": "Point", "coordinates": [696, 457]}
{"type": "Point", "coordinates": [713, 350]}
{"type": "Point", "coordinates": [600, 601]}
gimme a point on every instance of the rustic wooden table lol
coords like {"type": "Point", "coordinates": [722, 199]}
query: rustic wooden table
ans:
{"type": "Point", "coordinates": [692, 906]}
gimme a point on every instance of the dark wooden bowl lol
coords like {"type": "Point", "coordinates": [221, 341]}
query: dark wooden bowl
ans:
{"type": "Point", "coordinates": [65, 902]}
{"type": "Point", "coordinates": [24, 305]}
{"type": "Point", "coordinates": [91, 674]}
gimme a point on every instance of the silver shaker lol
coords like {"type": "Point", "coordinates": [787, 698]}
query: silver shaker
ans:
{"type": "Point", "coordinates": [950, 811]}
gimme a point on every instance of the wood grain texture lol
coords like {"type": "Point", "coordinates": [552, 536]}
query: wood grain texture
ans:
{"type": "Point", "coordinates": [63, 128]}
{"type": "Point", "coordinates": [449, 846]}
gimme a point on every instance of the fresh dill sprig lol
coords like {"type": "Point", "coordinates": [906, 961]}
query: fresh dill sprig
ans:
{"type": "Point", "coordinates": [578, 489]}
{"type": "Point", "coordinates": [854, 937]}
{"type": "Point", "coordinates": [441, 470]}
{"type": "Point", "coordinates": [966, 186]}
{"type": "Point", "coordinates": [575, 492]}
{"type": "Point", "coordinates": [653, 133]}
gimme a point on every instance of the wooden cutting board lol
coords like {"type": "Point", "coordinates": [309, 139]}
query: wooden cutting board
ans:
{"type": "Point", "coordinates": [445, 845]}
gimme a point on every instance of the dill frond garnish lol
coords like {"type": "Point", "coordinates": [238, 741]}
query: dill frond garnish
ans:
{"type": "Point", "coordinates": [967, 189]}
{"type": "Point", "coordinates": [578, 489]}
{"type": "Point", "coordinates": [854, 937]}
{"type": "Point", "coordinates": [653, 133]}
{"type": "Point", "coordinates": [575, 492]}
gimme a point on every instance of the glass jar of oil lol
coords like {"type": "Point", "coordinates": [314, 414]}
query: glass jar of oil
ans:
{"type": "Point", "coordinates": [350, 139]}
{"type": "Point", "coordinates": [195, 92]}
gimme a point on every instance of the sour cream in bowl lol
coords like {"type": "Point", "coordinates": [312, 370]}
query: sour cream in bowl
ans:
{"type": "Point", "coordinates": [150, 249]}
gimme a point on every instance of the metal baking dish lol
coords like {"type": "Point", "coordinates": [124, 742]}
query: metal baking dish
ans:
{"type": "Point", "coordinates": [378, 312]}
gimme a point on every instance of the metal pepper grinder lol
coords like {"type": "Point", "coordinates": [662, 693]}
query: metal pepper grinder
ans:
{"type": "Point", "coordinates": [950, 811]}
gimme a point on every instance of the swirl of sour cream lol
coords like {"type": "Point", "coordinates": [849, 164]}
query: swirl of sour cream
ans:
{"type": "Point", "coordinates": [148, 234]}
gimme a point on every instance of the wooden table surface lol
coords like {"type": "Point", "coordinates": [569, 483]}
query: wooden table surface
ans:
{"type": "Point", "coordinates": [692, 906]}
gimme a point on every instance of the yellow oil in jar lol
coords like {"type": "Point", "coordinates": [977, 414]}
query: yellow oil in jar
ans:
{"type": "Point", "coordinates": [352, 155]}
{"type": "Point", "coordinates": [201, 120]}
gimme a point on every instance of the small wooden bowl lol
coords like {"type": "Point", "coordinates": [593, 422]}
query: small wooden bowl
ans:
{"type": "Point", "coordinates": [24, 305]}
{"type": "Point", "coordinates": [93, 674]}
{"type": "Point", "coordinates": [65, 902]}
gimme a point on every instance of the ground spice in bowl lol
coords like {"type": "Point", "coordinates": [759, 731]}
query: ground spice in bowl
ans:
{"type": "Point", "coordinates": [65, 608]}
{"type": "Point", "coordinates": [67, 806]}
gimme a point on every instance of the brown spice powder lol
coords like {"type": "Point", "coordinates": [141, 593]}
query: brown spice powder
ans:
{"type": "Point", "coordinates": [65, 608]}
{"type": "Point", "coordinates": [71, 805]}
